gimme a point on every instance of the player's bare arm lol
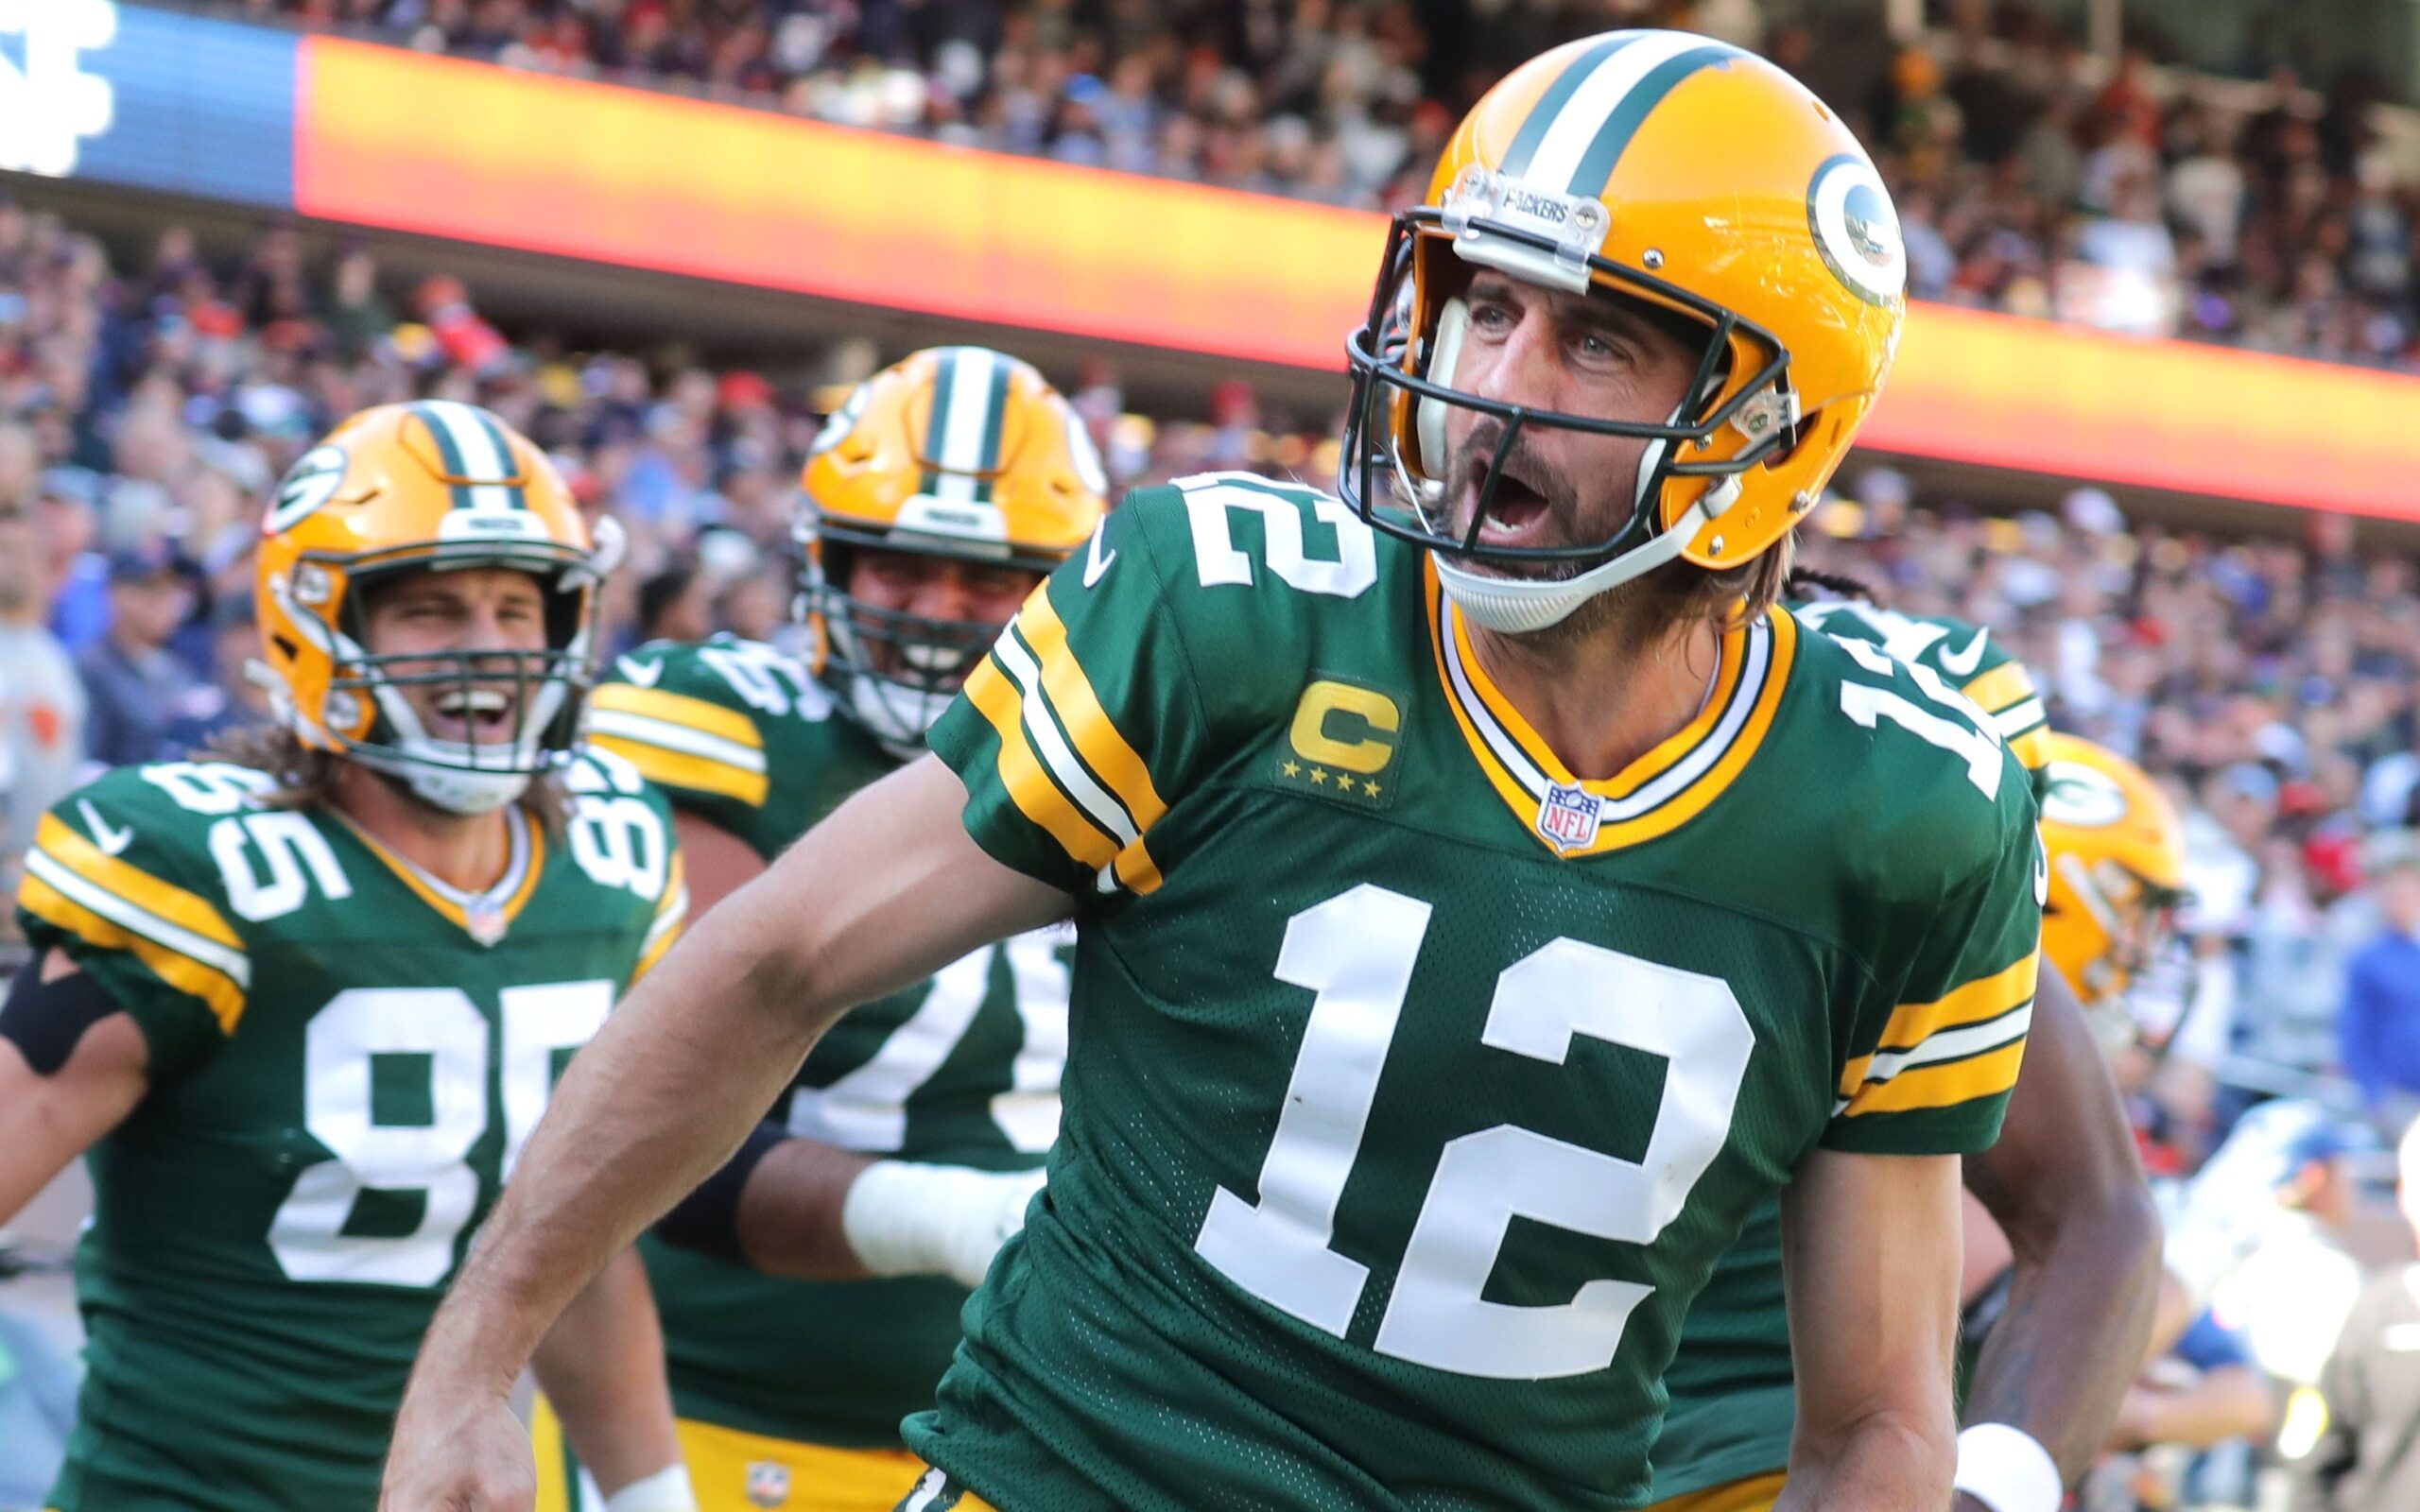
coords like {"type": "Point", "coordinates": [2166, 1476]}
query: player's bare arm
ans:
{"type": "Point", "coordinates": [735, 1006]}
{"type": "Point", "coordinates": [1871, 1247]}
{"type": "Point", "coordinates": [2067, 1188]}
{"type": "Point", "coordinates": [72, 1066]}
{"type": "Point", "coordinates": [602, 1366]}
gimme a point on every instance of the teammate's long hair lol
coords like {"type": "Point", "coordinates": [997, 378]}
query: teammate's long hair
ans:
{"type": "Point", "coordinates": [306, 778]}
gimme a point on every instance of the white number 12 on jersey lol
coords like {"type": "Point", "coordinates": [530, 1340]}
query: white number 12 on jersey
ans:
{"type": "Point", "coordinates": [1356, 953]}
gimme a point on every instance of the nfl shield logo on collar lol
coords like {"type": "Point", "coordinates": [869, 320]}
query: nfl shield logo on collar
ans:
{"type": "Point", "coordinates": [1568, 816]}
{"type": "Point", "coordinates": [486, 919]}
{"type": "Point", "coordinates": [769, 1485]}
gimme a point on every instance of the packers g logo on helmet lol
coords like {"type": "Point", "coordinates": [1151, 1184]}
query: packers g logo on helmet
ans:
{"type": "Point", "coordinates": [2117, 850]}
{"type": "Point", "coordinates": [1670, 169]}
{"type": "Point", "coordinates": [424, 486]}
{"type": "Point", "coordinates": [961, 452]}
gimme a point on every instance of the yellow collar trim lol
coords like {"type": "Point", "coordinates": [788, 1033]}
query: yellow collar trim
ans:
{"type": "Point", "coordinates": [502, 903]}
{"type": "Point", "coordinates": [1661, 790]}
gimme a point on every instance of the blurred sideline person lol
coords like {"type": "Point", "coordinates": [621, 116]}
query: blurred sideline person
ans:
{"type": "Point", "coordinates": [304, 1003]}
{"type": "Point", "coordinates": [1440, 1008]}
{"type": "Point", "coordinates": [936, 499]}
{"type": "Point", "coordinates": [2353, 1443]}
{"type": "Point", "coordinates": [2057, 1211]}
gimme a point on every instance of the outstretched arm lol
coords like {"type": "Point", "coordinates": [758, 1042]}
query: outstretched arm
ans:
{"type": "Point", "coordinates": [2068, 1191]}
{"type": "Point", "coordinates": [1871, 1247]}
{"type": "Point", "coordinates": [602, 1367]}
{"type": "Point", "coordinates": [731, 1011]}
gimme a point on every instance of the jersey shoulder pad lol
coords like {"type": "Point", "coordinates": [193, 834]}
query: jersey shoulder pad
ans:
{"type": "Point", "coordinates": [1927, 792]}
{"type": "Point", "coordinates": [1274, 573]}
{"type": "Point", "coordinates": [129, 874]}
{"type": "Point", "coordinates": [706, 719]}
{"type": "Point", "coordinates": [1967, 656]}
{"type": "Point", "coordinates": [621, 836]}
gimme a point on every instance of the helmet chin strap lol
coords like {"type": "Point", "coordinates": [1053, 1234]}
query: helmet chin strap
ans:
{"type": "Point", "coordinates": [1523, 606]}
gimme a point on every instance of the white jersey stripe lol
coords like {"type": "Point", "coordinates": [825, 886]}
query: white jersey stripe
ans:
{"type": "Point", "coordinates": [664, 733]}
{"type": "Point", "coordinates": [1052, 746]}
{"type": "Point", "coordinates": [126, 915]}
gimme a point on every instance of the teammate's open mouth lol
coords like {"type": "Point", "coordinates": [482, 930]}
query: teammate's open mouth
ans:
{"type": "Point", "coordinates": [472, 715]}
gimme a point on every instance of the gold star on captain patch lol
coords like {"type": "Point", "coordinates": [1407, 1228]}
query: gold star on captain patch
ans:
{"type": "Point", "coordinates": [1292, 769]}
{"type": "Point", "coordinates": [1370, 788]}
{"type": "Point", "coordinates": [1318, 777]}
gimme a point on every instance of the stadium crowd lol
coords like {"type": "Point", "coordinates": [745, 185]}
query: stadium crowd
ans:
{"type": "Point", "coordinates": [2142, 202]}
{"type": "Point", "coordinates": [146, 410]}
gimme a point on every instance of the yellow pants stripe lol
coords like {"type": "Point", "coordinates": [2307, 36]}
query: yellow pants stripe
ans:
{"type": "Point", "coordinates": [734, 1471]}
{"type": "Point", "coordinates": [1757, 1493]}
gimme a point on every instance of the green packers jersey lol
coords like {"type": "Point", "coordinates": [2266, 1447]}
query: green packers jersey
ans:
{"type": "Point", "coordinates": [1733, 1395]}
{"type": "Point", "coordinates": [346, 1057]}
{"type": "Point", "coordinates": [1417, 1084]}
{"type": "Point", "coordinates": [962, 1070]}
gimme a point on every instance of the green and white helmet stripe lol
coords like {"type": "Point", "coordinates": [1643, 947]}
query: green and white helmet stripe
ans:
{"type": "Point", "coordinates": [970, 407]}
{"type": "Point", "coordinates": [476, 453]}
{"type": "Point", "coordinates": [1577, 132]}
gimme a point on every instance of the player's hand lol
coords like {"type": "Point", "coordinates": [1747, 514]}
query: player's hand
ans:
{"type": "Point", "coordinates": [903, 1218]}
{"type": "Point", "coordinates": [463, 1454]}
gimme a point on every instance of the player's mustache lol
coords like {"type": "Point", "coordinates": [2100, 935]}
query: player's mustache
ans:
{"type": "Point", "coordinates": [1521, 465]}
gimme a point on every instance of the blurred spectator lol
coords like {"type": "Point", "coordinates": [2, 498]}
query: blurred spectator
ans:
{"type": "Point", "coordinates": [2353, 1445]}
{"type": "Point", "coordinates": [2380, 1020]}
{"type": "Point", "coordinates": [2141, 201]}
{"type": "Point", "coordinates": [78, 575]}
{"type": "Point", "coordinates": [2203, 1393]}
{"type": "Point", "coordinates": [676, 604]}
{"type": "Point", "coordinates": [231, 704]}
{"type": "Point", "coordinates": [137, 687]}
{"type": "Point", "coordinates": [41, 699]}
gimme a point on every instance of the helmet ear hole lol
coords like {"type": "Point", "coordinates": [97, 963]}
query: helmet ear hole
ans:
{"type": "Point", "coordinates": [1444, 351]}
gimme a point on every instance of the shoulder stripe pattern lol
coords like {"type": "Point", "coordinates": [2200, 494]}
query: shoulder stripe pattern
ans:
{"type": "Point", "coordinates": [970, 408]}
{"type": "Point", "coordinates": [1953, 1050]}
{"type": "Point", "coordinates": [109, 904]}
{"type": "Point", "coordinates": [1661, 790]}
{"type": "Point", "coordinates": [1064, 763]}
{"type": "Point", "coordinates": [680, 741]}
{"type": "Point", "coordinates": [2020, 718]}
{"type": "Point", "coordinates": [1577, 131]}
{"type": "Point", "coordinates": [1996, 690]}
{"type": "Point", "coordinates": [672, 916]}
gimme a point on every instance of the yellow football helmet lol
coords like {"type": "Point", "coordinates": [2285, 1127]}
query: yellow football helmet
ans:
{"type": "Point", "coordinates": [2116, 853]}
{"type": "Point", "coordinates": [955, 451]}
{"type": "Point", "coordinates": [425, 486]}
{"type": "Point", "coordinates": [1657, 166]}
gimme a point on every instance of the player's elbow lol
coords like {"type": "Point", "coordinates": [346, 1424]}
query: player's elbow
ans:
{"type": "Point", "coordinates": [1892, 1454]}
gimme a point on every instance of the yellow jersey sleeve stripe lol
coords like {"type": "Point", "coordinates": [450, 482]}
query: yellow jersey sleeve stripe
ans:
{"type": "Point", "coordinates": [670, 735]}
{"type": "Point", "coordinates": [187, 911]}
{"type": "Point", "coordinates": [1021, 772]}
{"type": "Point", "coordinates": [2008, 684]}
{"type": "Point", "coordinates": [686, 773]}
{"type": "Point", "coordinates": [1943, 1086]}
{"type": "Point", "coordinates": [680, 710]}
{"type": "Point", "coordinates": [220, 992]}
{"type": "Point", "coordinates": [2033, 748]}
{"type": "Point", "coordinates": [1074, 775]}
{"type": "Point", "coordinates": [1079, 711]}
{"type": "Point", "coordinates": [1914, 1023]}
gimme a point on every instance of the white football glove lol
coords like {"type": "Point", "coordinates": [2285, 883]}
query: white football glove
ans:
{"type": "Point", "coordinates": [906, 1219]}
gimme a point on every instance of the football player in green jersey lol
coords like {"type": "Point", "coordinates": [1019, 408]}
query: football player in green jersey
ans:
{"type": "Point", "coordinates": [1485, 893]}
{"type": "Point", "coordinates": [2062, 1182]}
{"type": "Point", "coordinates": [933, 503]}
{"type": "Point", "coordinates": [303, 1006]}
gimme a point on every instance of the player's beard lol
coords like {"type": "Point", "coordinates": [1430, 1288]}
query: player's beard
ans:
{"type": "Point", "coordinates": [1635, 612]}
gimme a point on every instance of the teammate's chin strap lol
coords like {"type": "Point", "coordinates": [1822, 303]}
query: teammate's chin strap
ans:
{"type": "Point", "coordinates": [2007, 1470]}
{"type": "Point", "coordinates": [667, 1490]}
